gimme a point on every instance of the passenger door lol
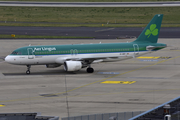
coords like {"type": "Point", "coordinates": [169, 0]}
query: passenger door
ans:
{"type": "Point", "coordinates": [30, 53]}
{"type": "Point", "coordinates": [74, 52]}
{"type": "Point", "coordinates": [136, 49]}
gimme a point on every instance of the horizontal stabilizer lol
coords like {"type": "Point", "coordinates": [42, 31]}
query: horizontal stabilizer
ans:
{"type": "Point", "coordinates": [152, 47]}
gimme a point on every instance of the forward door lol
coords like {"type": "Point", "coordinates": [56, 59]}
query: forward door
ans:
{"type": "Point", "coordinates": [30, 53]}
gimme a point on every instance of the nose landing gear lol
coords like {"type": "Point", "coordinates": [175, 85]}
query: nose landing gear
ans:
{"type": "Point", "coordinates": [28, 69]}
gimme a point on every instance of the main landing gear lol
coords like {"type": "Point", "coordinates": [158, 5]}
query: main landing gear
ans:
{"type": "Point", "coordinates": [28, 69]}
{"type": "Point", "coordinates": [90, 69]}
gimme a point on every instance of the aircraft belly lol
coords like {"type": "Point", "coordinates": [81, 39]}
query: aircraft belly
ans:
{"type": "Point", "coordinates": [47, 59]}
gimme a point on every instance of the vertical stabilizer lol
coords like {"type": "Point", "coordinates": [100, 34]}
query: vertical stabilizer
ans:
{"type": "Point", "coordinates": [151, 32]}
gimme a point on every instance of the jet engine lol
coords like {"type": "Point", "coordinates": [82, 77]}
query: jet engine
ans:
{"type": "Point", "coordinates": [52, 65]}
{"type": "Point", "coordinates": [72, 65]}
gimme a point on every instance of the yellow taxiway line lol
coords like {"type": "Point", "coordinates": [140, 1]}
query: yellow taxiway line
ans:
{"type": "Point", "coordinates": [148, 57]}
{"type": "Point", "coordinates": [2, 105]}
{"type": "Point", "coordinates": [118, 82]}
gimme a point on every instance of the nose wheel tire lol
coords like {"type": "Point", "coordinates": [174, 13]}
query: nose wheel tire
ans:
{"type": "Point", "coordinates": [28, 69]}
{"type": "Point", "coordinates": [28, 72]}
{"type": "Point", "coordinates": [90, 70]}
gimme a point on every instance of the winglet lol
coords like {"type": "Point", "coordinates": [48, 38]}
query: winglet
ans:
{"type": "Point", "coordinates": [151, 32]}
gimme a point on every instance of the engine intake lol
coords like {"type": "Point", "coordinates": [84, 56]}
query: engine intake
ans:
{"type": "Point", "coordinates": [72, 65]}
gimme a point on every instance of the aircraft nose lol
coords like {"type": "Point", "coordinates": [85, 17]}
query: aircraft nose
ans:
{"type": "Point", "coordinates": [8, 59]}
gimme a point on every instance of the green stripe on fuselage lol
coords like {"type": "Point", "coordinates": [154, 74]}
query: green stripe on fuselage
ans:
{"type": "Point", "coordinates": [84, 48]}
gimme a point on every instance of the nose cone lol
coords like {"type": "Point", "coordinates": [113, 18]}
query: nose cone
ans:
{"type": "Point", "coordinates": [8, 59]}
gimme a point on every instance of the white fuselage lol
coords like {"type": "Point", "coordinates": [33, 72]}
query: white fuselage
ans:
{"type": "Point", "coordinates": [59, 59]}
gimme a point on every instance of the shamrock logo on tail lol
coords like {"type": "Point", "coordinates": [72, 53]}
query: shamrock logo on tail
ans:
{"type": "Point", "coordinates": [153, 30]}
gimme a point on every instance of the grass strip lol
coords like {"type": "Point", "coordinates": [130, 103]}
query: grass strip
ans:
{"type": "Point", "coordinates": [94, 0]}
{"type": "Point", "coordinates": [86, 16]}
{"type": "Point", "coordinates": [44, 37]}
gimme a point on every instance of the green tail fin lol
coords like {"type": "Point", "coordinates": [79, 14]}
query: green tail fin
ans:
{"type": "Point", "coordinates": [151, 32]}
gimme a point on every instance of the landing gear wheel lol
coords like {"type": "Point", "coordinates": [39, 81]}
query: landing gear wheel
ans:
{"type": "Point", "coordinates": [28, 72]}
{"type": "Point", "coordinates": [28, 69]}
{"type": "Point", "coordinates": [90, 70]}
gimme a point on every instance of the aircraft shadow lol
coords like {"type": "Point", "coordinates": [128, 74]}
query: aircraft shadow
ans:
{"type": "Point", "coordinates": [45, 73]}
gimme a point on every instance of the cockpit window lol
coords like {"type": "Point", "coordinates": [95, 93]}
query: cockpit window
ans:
{"type": "Point", "coordinates": [16, 53]}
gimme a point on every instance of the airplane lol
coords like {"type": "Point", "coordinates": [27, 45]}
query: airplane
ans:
{"type": "Point", "coordinates": [77, 56]}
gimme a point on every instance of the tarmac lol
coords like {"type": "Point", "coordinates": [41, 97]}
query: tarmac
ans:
{"type": "Point", "coordinates": [137, 84]}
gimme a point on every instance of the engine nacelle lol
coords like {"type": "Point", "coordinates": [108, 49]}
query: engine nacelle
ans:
{"type": "Point", "coordinates": [72, 65]}
{"type": "Point", "coordinates": [52, 65]}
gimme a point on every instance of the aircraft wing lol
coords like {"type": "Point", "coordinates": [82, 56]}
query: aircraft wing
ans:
{"type": "Point", "coordinates": [98, 59]}
{"type": "Point", "coordinates": [90, 58]}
